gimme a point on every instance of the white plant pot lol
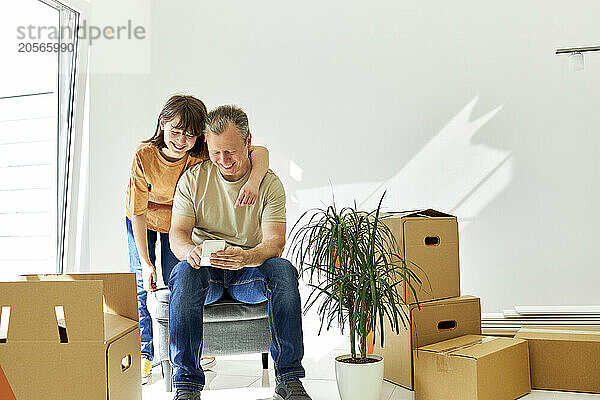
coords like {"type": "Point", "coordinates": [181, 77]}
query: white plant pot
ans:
{"type": "Point", "coordinates": [359, 381]}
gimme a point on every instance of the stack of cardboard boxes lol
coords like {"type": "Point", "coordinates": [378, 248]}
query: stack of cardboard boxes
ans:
{"type": "Point", "coordinates": [70, 337]}
{"type": "Point", "coordinates": [442, 354]}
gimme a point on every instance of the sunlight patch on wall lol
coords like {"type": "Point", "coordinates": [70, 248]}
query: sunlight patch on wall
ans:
{"type": "Point", "coordinates": [449, 170]}
{"type": "Point", "coordinates": [450, 173]}
{"type": "Point", "coordinates": [295, 171]}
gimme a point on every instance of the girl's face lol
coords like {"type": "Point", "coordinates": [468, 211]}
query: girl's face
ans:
{"type": "Point", "coordinates": [178, 142]}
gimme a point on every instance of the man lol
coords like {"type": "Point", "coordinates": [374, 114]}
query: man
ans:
{"type": "Point", "coordinates": [250, 269]}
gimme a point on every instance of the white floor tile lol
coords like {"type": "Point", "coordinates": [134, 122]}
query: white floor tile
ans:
{"type": "Point", "coordinates": [573, 395]}
{"type": "Point", "coordinates": [216, 381]}
{"type": "Point", "coordinates": [267, 379]}
{"type": "Point", "coordinates": [239, 367]}
{"type": "Point", "coordinates": [387, 391]}
{"type": "Point", "coordinates": [239, 394]}
{"type": "Point", "coordinates": [540, 395]}
{"type": "Point", "coordinates": [242, 377]}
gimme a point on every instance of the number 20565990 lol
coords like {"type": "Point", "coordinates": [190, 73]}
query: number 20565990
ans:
{"type": "Point", "coordinates": [45, 47]}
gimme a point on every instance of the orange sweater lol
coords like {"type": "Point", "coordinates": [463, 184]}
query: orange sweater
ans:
{"type": "Point", "coordinates": [152, 185]}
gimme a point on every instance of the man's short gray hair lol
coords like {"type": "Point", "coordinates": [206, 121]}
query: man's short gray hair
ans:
{"type": "Point", "coordinates": [220, 118]}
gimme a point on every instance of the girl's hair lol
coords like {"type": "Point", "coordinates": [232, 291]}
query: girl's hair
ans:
{"type": "Point", "coordinates": [192, 115]}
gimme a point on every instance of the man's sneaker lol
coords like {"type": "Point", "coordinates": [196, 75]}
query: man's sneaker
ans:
{"type": "Point", "coordinates": [207, 363]}
{"type": "Point", "coordinates": [146, 370]}
{"type": "Point", "coordinates": [186, 394]}
{"type": "Point", "coordinates": [290, 390]}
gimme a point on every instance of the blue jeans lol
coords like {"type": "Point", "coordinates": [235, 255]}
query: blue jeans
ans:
{"type": "Point", "coordinates": [167, 262]}
{"type": "Point", "coordinates": [276, 281]}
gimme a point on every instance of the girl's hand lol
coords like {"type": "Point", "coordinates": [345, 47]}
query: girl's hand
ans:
{"type": "Point", "coordinates": [149, 276]}
{"type": "Point", "coordinates": [248, 194]}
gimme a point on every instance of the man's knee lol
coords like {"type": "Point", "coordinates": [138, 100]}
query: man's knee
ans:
{"type": "Point", "coordinates": [184, 272]}
{"type": "Point", "coordinates": [280, 267]}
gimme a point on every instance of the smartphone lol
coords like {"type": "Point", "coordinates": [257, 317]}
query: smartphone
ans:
{"type": "Point", "coordinates": [209, 247]}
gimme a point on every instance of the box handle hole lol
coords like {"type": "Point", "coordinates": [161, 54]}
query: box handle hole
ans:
{"type": "Point", "coordinates": [432, 241]}
{"type": "Point", "coordinates": [62, 324]}
{"type": "Point", "coordinates": [447, 325]}
{"type": "Point", "coordinates": [4, 318]}
{"type": "Point", "coordinates": [126, 363]}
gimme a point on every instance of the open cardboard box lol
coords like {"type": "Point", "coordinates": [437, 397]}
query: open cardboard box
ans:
{"type": "Point", "coordinates": [434, 321]}
{"type": "Point", "coordinates": [428, 238]}
{"type": "Point", "coordinates": [472, 367]}
{"type": "Point", "coordinates": [564, 358]}
{"type": "Point", "coordinates": [64, 342]}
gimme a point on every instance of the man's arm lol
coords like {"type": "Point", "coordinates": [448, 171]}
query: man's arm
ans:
{"type": "Point", "coordinates": [180, 240]}
{"type": "Point", "coordinates": [272, 245]}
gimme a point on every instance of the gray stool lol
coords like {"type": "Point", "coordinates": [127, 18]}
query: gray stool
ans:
{"type": "Point", "coordinates": [229, 328]}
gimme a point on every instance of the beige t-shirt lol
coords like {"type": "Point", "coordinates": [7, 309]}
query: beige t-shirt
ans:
{"type": "Point", "coordinates": [152, 184]}
{"type": "Point", "coordinates": [203, 193]}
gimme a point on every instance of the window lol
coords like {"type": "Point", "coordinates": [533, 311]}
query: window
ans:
{"type": "Point", "coordinates": [37, 110]}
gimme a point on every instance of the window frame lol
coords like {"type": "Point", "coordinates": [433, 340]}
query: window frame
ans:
{"type": "Point", "coordinates": [72, 232]}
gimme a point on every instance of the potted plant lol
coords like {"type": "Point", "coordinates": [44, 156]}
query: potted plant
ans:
{"type": "Point", "coordinates": [351, 262]}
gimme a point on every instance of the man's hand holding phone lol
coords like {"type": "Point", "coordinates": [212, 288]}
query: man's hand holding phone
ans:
{"type": "Point", "coordinates": [233, 258]}
{"type": "Point", "coordinates": [212, 253]}
{"type": "Point", "coordinates": [199, 256]}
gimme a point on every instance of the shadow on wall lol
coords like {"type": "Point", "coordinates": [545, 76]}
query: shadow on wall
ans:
{"type": "Point", "coordinates": [450, 173]}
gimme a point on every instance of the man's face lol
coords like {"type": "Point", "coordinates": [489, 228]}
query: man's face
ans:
{"type": "Point", "coordinates": [229, 152]}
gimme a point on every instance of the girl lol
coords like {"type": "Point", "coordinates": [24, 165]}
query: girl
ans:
{"type": "Point", "coordinates": [178, 143]}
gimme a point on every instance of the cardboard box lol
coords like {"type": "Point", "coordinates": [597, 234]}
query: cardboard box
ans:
{"type": "Point", "coordinates": [435, 321]}
{"type": "Point", "coordinates": [472, 367]}
{"type": "Point", "coordinates": [564, 358]}
{"type": "Point", "coordinates": [429, 239]}
{"type": "Point", "coordinates": [80, 352]}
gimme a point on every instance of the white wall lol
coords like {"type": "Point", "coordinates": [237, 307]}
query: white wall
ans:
{"type": "Point", "coordinates": [460, 106]}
